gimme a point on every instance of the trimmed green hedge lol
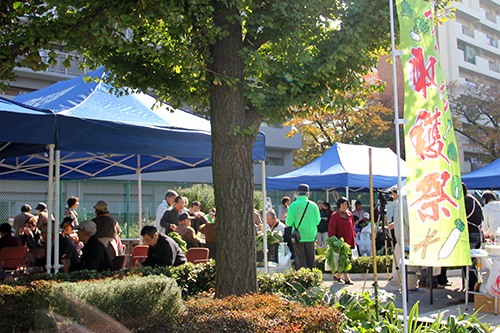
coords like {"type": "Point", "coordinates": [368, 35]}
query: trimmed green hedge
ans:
{"type": "Point", "coordinates": [191, 278]}
{"type": "Point", "coordinates": [359, 265]}
{"type": "Point", "coordinates": [129, 297]}
{"type": "Point", "coordinates": [107, 290]}
{"type": "Point", "coordinates": [19, 305]}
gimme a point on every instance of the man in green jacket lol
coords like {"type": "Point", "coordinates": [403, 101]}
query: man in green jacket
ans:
{"type": "Point", "coordinates": [308, 228]}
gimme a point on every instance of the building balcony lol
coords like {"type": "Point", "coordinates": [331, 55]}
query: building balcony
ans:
{"type": "Point", "coordinates": [465, 11]}
{"type": "Point", "coordinates": [492, 42]}
{"type": "Point", "coordinates": [467, 32]}
{"type": "Point", "coordinates": [480, 40]}
{"type": "Point", "coordinates": [74, 69]}
{"type": "Point", "coordinates": [489, 19]}
{"type": "Point", "coordinates": [478, 65]}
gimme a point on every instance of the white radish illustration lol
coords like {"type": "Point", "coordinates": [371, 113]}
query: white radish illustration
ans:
{"type": "Point", "coordinates": [452, 240]}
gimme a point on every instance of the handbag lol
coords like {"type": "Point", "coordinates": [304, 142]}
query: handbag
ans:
{"type": "Point", "coordinates": [295, 237]}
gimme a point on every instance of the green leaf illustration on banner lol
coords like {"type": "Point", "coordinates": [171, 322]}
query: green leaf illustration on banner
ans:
{"type": "Point", "coordinates": [438, 236]}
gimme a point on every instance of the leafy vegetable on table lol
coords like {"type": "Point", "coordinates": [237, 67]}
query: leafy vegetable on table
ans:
{"type": "Point", "coordinates": [178, 239]}
{"type": "Point", "coordinates": [343, 250]}
{"type": "Point", "coordinates": [272, 237]}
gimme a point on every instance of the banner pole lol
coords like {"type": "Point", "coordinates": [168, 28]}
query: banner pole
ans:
{"type": "Point", "coordinates": [264, 212]}
{"type": "Point", "coordinates": [397, 123]}
{"type": "Point", "coordinates": [374, 232]}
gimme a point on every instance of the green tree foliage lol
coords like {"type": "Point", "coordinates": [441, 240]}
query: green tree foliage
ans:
{"type": "Point", "coordinates": [241, 61]}
{"type": "Point", "coordinates": [345, 122]}
{"type": "Point", "coordinates": [475, 110]}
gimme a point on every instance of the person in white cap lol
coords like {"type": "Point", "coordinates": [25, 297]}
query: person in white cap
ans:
{"type": "Point", "coordinates": [94, 254]}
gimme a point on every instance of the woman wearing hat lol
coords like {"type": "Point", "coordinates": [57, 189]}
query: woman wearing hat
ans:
{"type": "Point", "coordinates": [107, 228]}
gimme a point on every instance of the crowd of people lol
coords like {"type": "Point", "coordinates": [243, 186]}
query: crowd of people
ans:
{"type": "Point", "coordinates": [92, 244]}
{"type": "Point", "coordinates": [89, 244]}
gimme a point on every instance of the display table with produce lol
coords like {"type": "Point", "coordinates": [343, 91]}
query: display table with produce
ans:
{"type": "Point", "coordinates": [279, 255]}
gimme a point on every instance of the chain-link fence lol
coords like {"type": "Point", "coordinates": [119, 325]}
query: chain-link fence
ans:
{"type": "Point", "coordinates": [121, 197]}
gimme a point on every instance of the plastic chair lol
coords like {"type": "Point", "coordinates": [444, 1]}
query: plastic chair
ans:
{"type": "Point", "coordinates": [197, 255]}
{"type": "Point", "coordinates": [37, 253]}
{"type": "Point", "coordinates": [119, 262]}
{"type": "Point", "coordinates": [139, 254]}
{"type": "Point", "coordinates": [12, 257]}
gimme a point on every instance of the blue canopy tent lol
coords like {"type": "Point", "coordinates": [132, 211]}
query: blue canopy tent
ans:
{"type": "Point", "coordinates": [98, 133]}
{"type": "Point", "coordinates": [488, 177]}
{"type": "Point", "coordinates": [343, 166]}
{"type": "Point", "coordinates": [25, 130]}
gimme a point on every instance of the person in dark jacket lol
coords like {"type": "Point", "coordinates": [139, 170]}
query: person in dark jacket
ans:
{"type": "Point", "coordinates": [7, 240]}
{"type": "Point", "coordinates": [67, 253]}
{"type": "Point", "coordinates": [322, 235]}
{"type": "Point", "coordinates": [163, 250]}
{"type": "Point", "coordinates": [170, 219]}
{"type": "Point", "coordinates": [31, 236]}
{"type": "Point", "coordinates": [474, 212]}
{"type": "Point", "coordinates": [94, 253]}
{"type": "Point", "coordinates": [108, 228]}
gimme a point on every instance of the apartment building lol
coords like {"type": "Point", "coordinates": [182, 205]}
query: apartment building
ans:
{"type": "Point", "coordinates": [469, 47]}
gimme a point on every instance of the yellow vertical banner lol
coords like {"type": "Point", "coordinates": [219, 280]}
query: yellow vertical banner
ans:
{"type": "Point", "coordinates": [438, 224]}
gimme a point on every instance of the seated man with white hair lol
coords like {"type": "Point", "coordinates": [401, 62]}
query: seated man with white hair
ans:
{"type": "Point", "coordinates": [275, 224]}
{"type": "Point", "coordinates": [94, 254]}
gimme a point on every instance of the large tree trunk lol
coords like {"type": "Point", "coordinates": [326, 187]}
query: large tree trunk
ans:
{"type": "Point", "coordinates": [232, 166]}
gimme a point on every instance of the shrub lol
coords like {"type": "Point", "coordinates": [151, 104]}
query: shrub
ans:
{"type": "Point", "coordinates": [205, 195]}
{"type": "Point", "coordinates": [250, 313]}
{"type": "Point", "coordinates": [121, 298]}
{"type": "Point", "coordinates": [191, 278]}
{"type": "Point", "coordinates": [358, 265]}
{"type": "Point", "coordinates": [18, 305]}
{"type": "Point", "coordinates": [202, 193]}
{"type": "Point", "coordinates": [280, 283]}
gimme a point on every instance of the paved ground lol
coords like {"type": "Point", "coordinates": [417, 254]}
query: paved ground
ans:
{"type": "Point", "coordinates": [446, 301]}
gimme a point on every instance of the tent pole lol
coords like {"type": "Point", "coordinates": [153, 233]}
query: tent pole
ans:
{"type": "Point", "coordinates": [347, 193]}
{"type": "Point", "coordinates": [264, 221]}
{"type": "Point", "coordinates": [327, 195]}
{"type": "Point", "coordinates": [57, 203]}
{"type": "Point", "coordinates": [139, 194]}
{"type": "Point", "coordinates": [50, 201]}
{"type": "Point", "coordinates": [398, 122]}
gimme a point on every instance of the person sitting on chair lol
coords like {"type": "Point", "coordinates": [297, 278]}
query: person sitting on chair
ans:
{"type": "Point", "coordinates": [163, 250]}
{"type": "Point", "coordinates": [187, 233]}
{"type": "Point", "coordinates": [94, 254]}
{"type": "Point", "coordinates": [7, 239]}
